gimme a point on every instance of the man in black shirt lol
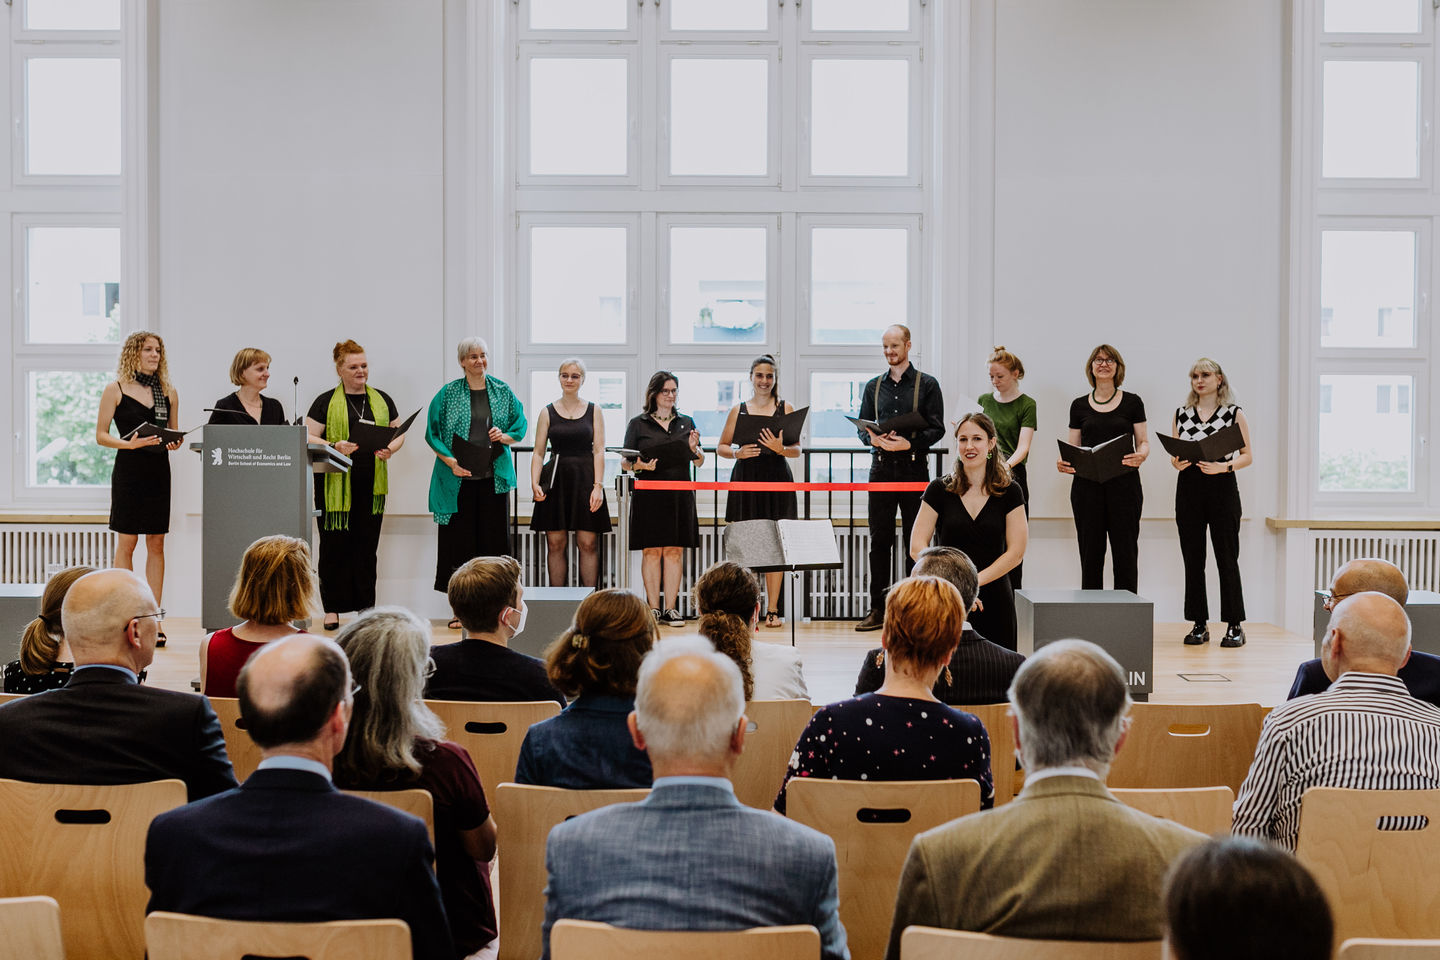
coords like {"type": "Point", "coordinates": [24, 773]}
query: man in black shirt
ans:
{"type": "Point", "coordinates": [897, 455]}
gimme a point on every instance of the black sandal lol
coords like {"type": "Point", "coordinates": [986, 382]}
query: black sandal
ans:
{"type": "Point", "coordinates": [454, 624]}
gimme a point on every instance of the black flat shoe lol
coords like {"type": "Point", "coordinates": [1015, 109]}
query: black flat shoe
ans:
{"type": "Point", "coordinates": [332, 626]}
{"type": "Point", "coordinates": [1199, 633]}
{"type": "Point", "coordinates": [1234, 636]}
{"type": "Point", "coordinates": [160, 639]}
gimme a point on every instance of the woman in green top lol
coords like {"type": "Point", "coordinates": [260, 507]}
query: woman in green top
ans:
{"type": "Point", "coordinates": [1013, 413]}
{"type": "Point", "coordinates": [472, 508]}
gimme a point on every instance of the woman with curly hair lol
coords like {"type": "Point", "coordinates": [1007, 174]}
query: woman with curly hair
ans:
{"type": "Point", "coordinates": [595, 663]}
{"type": "Point", "coordinates": [980, 510]}
{"type": "Point", "coordinates": [728, 598]}
{"type": "Point", "coordinates": [45, 659]}
{"type": "Point", "coordinates": [140, 480]}
{"type": "Point", "coordinates": [397, 743]}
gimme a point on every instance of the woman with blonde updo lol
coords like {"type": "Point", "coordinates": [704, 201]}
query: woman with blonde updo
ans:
{"type": "Point", "coordinates": [352, 505]}
{"type": "Point", "coordinates": [728, 598]}
{"type": "Point", "coordinates": [250, 371]}
{"type": "Point", "coordinates": [596, 663]}
{"type": "Point", "coordinates": [45, 659]}
{"type": "Point", "coordinates": [140, 480]}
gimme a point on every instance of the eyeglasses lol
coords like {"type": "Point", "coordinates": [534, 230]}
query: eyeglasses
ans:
{"type": "Point", "coordinates": [1104, 361]}
{"type": "Point", "coordinates": [430, 667]}
{"type": "Point", "coordinates": [354, 689]}
{"type": "Point", "coordinates": [158, 615]}
{"type": "Point", "coordinates": [671, 390]}
{"type": "Point", "coordinates": [1330, 599]}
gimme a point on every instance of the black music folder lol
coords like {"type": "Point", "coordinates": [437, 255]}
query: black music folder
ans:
{"type": "Point", "coordinates": [371, 437]}
{"type": "Point", "coordinates": [786, 426]}
{"type": "Point", "coordinates": [1101, 462]}
{"type": "Point", "coordinates": [166, 435]}
{"type": "Point", "coordinates": [1214, 447]}
{"type": "Point", "coordinates": [670, 452]}
{"type": "Point", "coordinates": [547, 473]}
{"type": "Point", "coordinates": [478, 458]}
{"type": "Point", "coordinates": [906, 422]}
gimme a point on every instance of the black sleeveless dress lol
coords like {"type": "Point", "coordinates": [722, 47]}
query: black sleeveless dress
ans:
{"type": "Point", "coordinates": [140, 479]}
{"type": "Point", "coordinates": [567, 504]}
{"type": "Point", "coordinates": [747, 505]}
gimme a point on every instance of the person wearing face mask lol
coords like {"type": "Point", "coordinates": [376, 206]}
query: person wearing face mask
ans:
{"type": "Point", "coordinates": [1014, 416]}
{"type": "Point", "coordinates": [486, 597]}
{"type": "Point", "coordinates": [250, 371]}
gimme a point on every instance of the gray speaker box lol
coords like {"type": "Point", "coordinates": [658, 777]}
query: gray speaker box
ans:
{"type": "Point", "coordinates": [552, 610]}
{"type": "Point", "coordinates": [19, 604]}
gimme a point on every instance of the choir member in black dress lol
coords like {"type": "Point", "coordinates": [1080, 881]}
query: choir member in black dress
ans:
{"type": "Point", "coordinates": [472, 509]}
{"type": "Point", "coordinates": [896, 457]}
{"type": "Point", "coordinates": [763, 461]}
{"type": "Point", "coordinates": [140, 481]}
{"type": "Point", "coordinates": [980, 510]}
{"type": "Point", "coordinates": [576, 498]}
{"type": "Point", "coordinates": [250, 371]}
{"type": "Point", "coordinates": [1110, 509]}
{"type": "Point", "coordinates": [351, 505]}
{"type": "Point", "coordinates": [1206, 495]}
{"type": "Point", "coordinates": [663, 522]}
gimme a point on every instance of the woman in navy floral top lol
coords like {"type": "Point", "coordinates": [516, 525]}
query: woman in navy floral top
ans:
{"type": "Point", "coordinates": [901, 732]}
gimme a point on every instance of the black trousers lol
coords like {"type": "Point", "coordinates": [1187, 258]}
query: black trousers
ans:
{"type": "Point", "coordinates": [1108, 511]}
{"type": "Point", "coordinates": [882, 506]}
{"type": "Point", "coordinates": [1019, 473]}
{"type": "Point", "coordinates": [347, 561]}
{"type": "Point", "coordinates": [1205, 500]}
{"type": "Point", "coordinates": [480, 528]}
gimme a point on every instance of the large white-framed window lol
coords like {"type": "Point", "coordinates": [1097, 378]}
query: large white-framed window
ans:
{"type": "Point", "coordinates": [1364, 256]}
{"type": "Point", "coordinates": [66, 249]}
{"type": "Point", "coordinates": [776, 182]}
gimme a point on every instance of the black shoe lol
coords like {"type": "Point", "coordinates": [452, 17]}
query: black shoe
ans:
{"type": "Point", "coordinates": [1234, 636]}
{"type": "Point", "coordinates": [1198, 634]}
{"type": "Point", "coordinates": [672, 618]}
{"type": "Point", "coordinates": [874, 620]}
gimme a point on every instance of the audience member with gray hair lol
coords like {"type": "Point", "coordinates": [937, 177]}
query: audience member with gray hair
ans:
{"type": "Point", "coordinates": [980, 671]}
{"type": "Point", "coordinates": [104, 726]}
{"type": "Point", "coordinates": [690, 856]}
{"type": "Point", "coordinates": [1366, 732]}
{"type": "Point", "coordinates": [1064, 860]}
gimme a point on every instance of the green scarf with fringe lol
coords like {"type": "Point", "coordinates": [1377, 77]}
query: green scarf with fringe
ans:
{"type": "Point", "coordinates": [337, 485]}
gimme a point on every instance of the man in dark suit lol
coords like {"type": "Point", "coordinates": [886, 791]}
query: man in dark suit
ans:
{"type": "Point", "coordinates": [979, 671]}
{"type": "Point", "coordinates": [104, 727]}
{"type": "Point", "coordinates": [286, 846]}
{"type": "Point", "coordinates": [1420, 674]}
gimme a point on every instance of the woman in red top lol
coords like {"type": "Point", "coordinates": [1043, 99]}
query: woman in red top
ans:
{"type": "Point", "coordinates": [276, 584]}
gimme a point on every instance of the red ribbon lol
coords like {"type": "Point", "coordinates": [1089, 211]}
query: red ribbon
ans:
{"type": "Point", "coordinates": [911, 486]}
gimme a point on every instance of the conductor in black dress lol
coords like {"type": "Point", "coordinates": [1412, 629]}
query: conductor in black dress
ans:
{"type": "Point", "coordinates": [250, 372]}
{"type": "Point", "coordinates": [896, 457]}
{"type": "Point", "coordinates": [1110, 509]}
{"type": "Point", "coordinates": [663, 522]}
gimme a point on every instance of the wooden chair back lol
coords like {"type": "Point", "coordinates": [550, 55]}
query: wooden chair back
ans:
{"type": "Point", "coordinates": [491, 733]}
{"type": "Point", "coordinates": [872, 824]}
{"type": "Point", "coordinates": [770, 736]}
{"type": "Point", "coordinates": [524, 815]}
{"type": "Point", "coordinates": [32, 929]}
{"type": "Point", "coordinates": [996, 718]}
{"type": "Point", "coordinates": [932, 943]}
{"type": "Point", "coordinates": [7, 697]}
{"type": "Point", "coordinates": [244, 754]}
{"type": "Point", "coordinates": [84, 846]}
{"type": "Point", "coordinates": [1188, 745]}
{"type": "Point", "coordinates": [416, 802]}
{"type": "Point", "coordinates": [1369, 948]}
{"type": "Point", "coordinates": [1207, 809]}
{"type": "Point", "coordinates": [1380, 881]}
{"type": "Point", "coordinates": [178, 936]}
{"type": "Point", "coordinates": [586, 940]}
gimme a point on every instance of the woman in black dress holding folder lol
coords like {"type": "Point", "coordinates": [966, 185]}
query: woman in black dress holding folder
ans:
{"type": "Point", "coordinates": [663, 522]}
{"type": "Point", "coordinates": [1206, 495]}
{"type": "Point", "coordinates": [1111, 509]}
{"type": "Point", "coordinates": [576, 497]}
{"type": "Point", "coordinates": [140, 479]}
{"type": "Point", "coordinates": [250, 371]}
{"type": "Point", "coordinates": [763, 461]}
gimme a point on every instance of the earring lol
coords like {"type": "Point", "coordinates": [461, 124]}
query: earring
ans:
{"type": "Point", "coordinates": [989, 455]}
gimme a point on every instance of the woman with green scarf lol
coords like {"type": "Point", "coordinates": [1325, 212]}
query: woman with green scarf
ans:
{"type": "Point", "coordinates": [472, 508]}
{"type": "Point", "coordinates": [351, 505]}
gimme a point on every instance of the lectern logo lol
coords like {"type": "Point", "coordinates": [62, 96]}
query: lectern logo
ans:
{"type": "Point", "coordinates": [216, 457]}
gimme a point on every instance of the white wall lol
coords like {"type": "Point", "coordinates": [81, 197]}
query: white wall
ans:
{"type": "Point", "coordinates": [1138, 200]}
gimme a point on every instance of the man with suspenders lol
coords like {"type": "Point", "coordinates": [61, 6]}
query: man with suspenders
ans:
{"type": "Point", "coordinates": [896, 456]}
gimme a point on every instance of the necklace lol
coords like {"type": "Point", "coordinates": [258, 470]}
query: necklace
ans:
{"type": "Point", "coordinates": [1100, 402]}
{"type": "Point", "coordinates": [565, 412]}
{"type": "Point", "coordinates": [360, 410]}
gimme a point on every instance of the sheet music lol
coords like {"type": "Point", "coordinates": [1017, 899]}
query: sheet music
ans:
{"type": "Point", "coordinates": [808, 542]}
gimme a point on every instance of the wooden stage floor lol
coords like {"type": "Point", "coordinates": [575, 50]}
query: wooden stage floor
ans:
{"type": "Point", "coordinates": [1259, 672]}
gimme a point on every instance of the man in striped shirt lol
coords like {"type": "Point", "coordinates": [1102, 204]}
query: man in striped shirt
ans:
{"type": "Point", "coordinates": [1366, 732]}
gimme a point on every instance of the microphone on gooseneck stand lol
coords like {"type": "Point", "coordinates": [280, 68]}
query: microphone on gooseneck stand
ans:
{"type": "Point", "coordinates": [295, 400]}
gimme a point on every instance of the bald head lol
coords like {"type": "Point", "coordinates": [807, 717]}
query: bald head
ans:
{"type": "Point", "coordinates": [97, 613]}
{"type": "Point", "coordinates": [290, 688]}
{"type": "Point", "coordinates": [1370, 633]}
{"type": "Point", "coordinates": [1370, 574]}
{"type": "Point", "coordinates": [688, 701]}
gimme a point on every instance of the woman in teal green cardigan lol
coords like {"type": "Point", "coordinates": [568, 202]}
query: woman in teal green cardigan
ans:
{"type": "Point", "coordinates": [472, 508]}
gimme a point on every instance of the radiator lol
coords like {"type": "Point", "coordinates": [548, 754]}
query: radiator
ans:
{"type": "Point", "coordinates": [1416, 553]}
{"type": "Point", "coordinates": [32, 553]}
